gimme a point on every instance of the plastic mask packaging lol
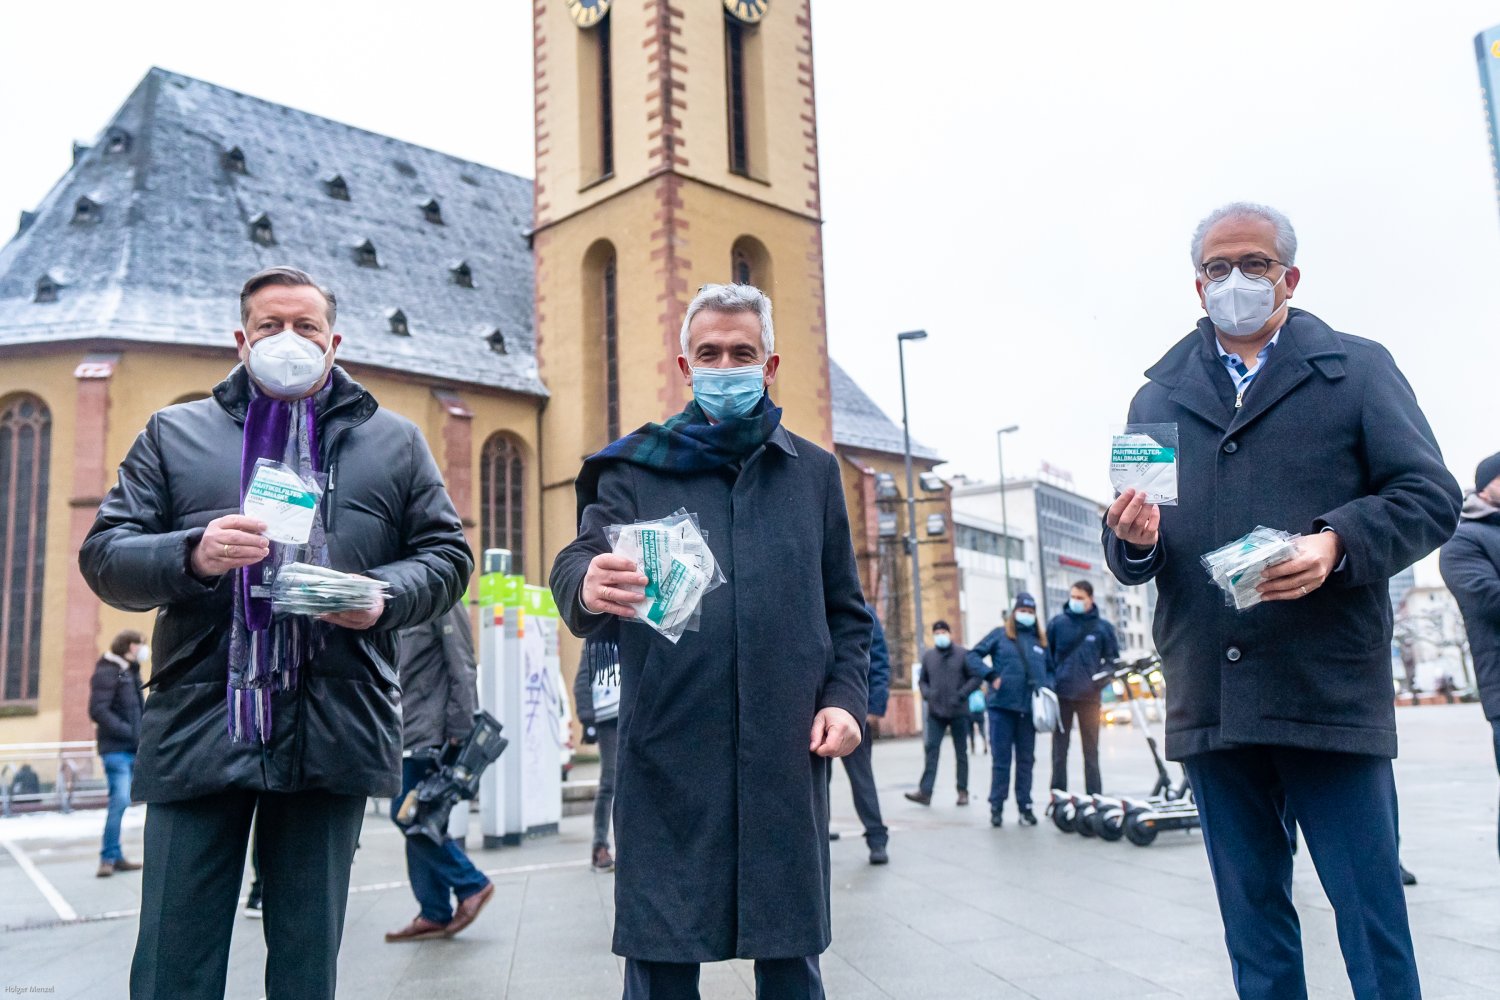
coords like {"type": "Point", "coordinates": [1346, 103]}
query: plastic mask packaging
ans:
{"type": "Point", "coordinates": [305, 589]}
{"type": "Point", "coordinates": [1144, 458]}
{"type": "Point", "coordinates": [679, 569]}
{"type": "Point", "coordinates": [284, 500]}
{"type": "Point", "coordinates": [1239, 567]}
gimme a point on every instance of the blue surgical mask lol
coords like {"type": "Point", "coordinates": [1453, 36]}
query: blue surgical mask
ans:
{"type": "Point", "coordinates": [727, 393]}
{"type": "Point", "coordinates": [1025, 619]}
{"type": "Point", "coordinates": [1077, 607]}
{"type": "Point", "coordinates": [942, 640]}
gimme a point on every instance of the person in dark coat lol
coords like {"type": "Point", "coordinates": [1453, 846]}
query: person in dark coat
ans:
{"type": "Point", "coordinates": [439, 681]}
{"type": "Point", "coordinates": [596, 693]}
{"type": "Point", "coordinates": [726, 736]}
{"type": "Point", "coordinates": [1470, 564]}
{"type": "Point", "coordinates": [115, 705]}
{"type": "Point", "coordinates": [293, 719]}
{"type": "Point", "coordinates": [1017, 652]}
{"type": "Point", "coordinates": [859, 765]}
{"type": "Point", "coordinates": [1083, 644]}
{"type": "Point", "coordinates": [1285, 423]}
{"type": "Point", "coordinates": [946, 679]}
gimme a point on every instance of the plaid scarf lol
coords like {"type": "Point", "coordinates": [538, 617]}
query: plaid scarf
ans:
{"type": "Point", "coordinates": [685, 443]}
{"type": "Point", "coordinates": [267, 654]}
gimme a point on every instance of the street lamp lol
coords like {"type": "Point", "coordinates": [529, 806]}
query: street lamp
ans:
{"type": "Point", "coordinates": [911, 499]}
{"type": "Point", "coordinates": [1010, 598]}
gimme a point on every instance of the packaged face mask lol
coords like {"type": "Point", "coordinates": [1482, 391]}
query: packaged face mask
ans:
{"type": "Point", "coordinates": [304, 589]}
{"type": "Point", "coordinates": [679, 568]}
{"type": "Point", "coordinates": [285, 501]}
{"type": "Point", "coordinates": [1144, 458]}
{"type": "Point", "coordinates": [1239, 567]}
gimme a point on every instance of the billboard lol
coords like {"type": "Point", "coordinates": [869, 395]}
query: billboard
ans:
{"type": "Point", "coordinates": [1487, 51]}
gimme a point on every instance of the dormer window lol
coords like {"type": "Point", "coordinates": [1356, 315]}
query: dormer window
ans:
{"type": "Point", "coordinates": [78, 150]}
{"type": "Point", "coordinates": [365, 256]}
{"type": "Point", "coordinates": [117, 140]}
{"type": "Point", "coordinates": [336, 187]}
{"type": "Point", "coordinates": [463, 275]}
{"type": "Point", "coordinates": [86, 211]}
{"type": "Point", "coordinates": [432, 211]}
{"type": "Point", "coordinates": [397, 320]}
{"type": "Point", "coordinates": [496, 340]}
{"type": "Point", "coordinates": [260, 230]}
{"type": "Point", "coordinates": [233, 161]}
{"type": "Point", "coordinates": [46, 289]}
{"type": "Point", "coordinates": [27, 218]}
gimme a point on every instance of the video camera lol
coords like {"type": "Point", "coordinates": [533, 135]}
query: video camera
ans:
{"type": "Point", "coordinates": [424, 811]}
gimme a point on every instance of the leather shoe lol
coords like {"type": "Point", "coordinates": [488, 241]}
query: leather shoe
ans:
{"type": "Point", "coordinates": [1028, 818]}
{"type": "Point", "coordinates": [420, 929]}
{"type": "Point", "coordinates": [469, 908]}
{"type": "Point", "coordinates": [963, 798]}
{"type": "Point", "coordinates": [106, 869]}
{"type": "Point", "coordinates": [997, 818]}
{"type": "Point", "coordinates": [878, 855]}
{"type": "Point", "coordinates": [920, 798]}
{"type": "Point", "coordinates": [127, 866]}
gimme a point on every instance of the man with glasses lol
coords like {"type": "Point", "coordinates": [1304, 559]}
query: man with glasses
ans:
{"type": "Point", "coordinates": [1286, 423]}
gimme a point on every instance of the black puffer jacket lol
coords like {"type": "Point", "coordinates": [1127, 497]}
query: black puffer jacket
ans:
{"type": "Point", "coordinates": [1471, 568]}
{"type": "Point", "coordinates": [388, 516]}
{"type": "Point", "coordinates": [438, 680]}
{"type": "Point", "coordinates": [115, 704]}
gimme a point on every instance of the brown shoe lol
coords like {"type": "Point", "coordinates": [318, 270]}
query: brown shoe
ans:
{"type": "Point", "coordinates": [920, 798]}
{"type": "Point", "coordinates": [106, 869]}
{"type": "Point", "coordinates": [603, 861]}
{"type": "Point", "coordinates": [963, 798]}
{"type": "Point", "coordinates": [420, 929]}
{"type": "Point", "coordinates": [468, 909]}
{"type": "Point", "coordinates": [127, 866]}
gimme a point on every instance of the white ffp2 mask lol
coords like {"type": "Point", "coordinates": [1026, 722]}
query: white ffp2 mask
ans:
{"type": "Point", "coordinates": [287, 364]}
{"type": "Point", "coordinates": [1239, 306]}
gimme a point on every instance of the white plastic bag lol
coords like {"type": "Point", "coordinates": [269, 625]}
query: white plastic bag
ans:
{"type": "Point", "coordinates": [679, 568]}
{"type": "Point", "coordinates": [1044, 710]}
{"type": "Point", "coordinates": [1144, 458]}
{"type": "Point", "coordinates": [1239, 567]}
{"type": "Point", "coordinates": [284, 500]}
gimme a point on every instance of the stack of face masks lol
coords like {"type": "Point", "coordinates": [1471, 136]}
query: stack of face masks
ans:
{"type": "Point", "coordinates": [304, 589]}
{"type": "Point", "coordinates": [1239, 566]}
{"type": "Point", "coordinates": [678, 566]}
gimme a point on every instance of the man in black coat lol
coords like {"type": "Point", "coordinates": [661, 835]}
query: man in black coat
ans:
{"type": "Point", "coordinates": [860, 765]}
{"type": "Point", "coordinates": [291, 719]}
{"type": "Point", "coordinates": [946, 679]}
{"type": "Point", "coordinates": [1470, 563]}
{"type": "Point", "coordinates": [115, 705]}
{"type": "Point", "coordinates": [726, 736]}
{"type": "Point", "coordinates": [1082, 644]}
{"type": "Point", "coordinates": [1285, 423]}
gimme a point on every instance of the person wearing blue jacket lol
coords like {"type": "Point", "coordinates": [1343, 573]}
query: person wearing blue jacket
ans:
{"type": "Point", "coordinates": [859, 765]}
{"type": "Point", "coordinates": [1017, 652]}
{"type": "Point", "coordinates": [1082, 644]}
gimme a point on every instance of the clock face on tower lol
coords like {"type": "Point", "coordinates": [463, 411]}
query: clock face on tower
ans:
{"type": "Point", "coordinates": [586, 13]}
{"type": "Point", "coordinates": [749, 11]}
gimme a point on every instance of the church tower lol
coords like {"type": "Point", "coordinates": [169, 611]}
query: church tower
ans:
{"type": "Point", "coordinates": [676, 145]}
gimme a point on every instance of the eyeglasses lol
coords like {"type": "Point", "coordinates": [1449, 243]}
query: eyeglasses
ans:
{"type": "Point", "coordinates": [1251, 266]}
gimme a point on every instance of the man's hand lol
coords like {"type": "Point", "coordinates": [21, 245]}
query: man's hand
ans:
{"type": "Point", "coordinates": [229, 542]}
{"type": "Point", "coordinates": [606, 586]}
{"type": "Point", "coordinates": [995, 684]}
{"type": "Point", "coordinates": [1133, 520]}
{"type": "Point", "coordinates": [1316, 557]}
{"type": "Point", "coordinates": [834, 733]}
{"type": "Point", "coordinates": [357, 620]}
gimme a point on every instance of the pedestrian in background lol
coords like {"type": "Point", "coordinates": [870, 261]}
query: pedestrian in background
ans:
{"type": "Point", "coordinates": [859, 765]}
{"type": "Point", "coordinates": [945, 680]}
{"type": "Point", "coordinates": [115, 705]}
{"type": "Point", "coordinates": [439, 681]}
{"type": "Point", "coordinates": [1284, 422]}
{"type": "Point", "coordinates": [596, 692]}
{"type": "Point", "coordinates": [1017, 652]}
{"type": "Point", "coordinates": [1083, 644]}
{"type": "Point", "coordinates": [1470, 563]}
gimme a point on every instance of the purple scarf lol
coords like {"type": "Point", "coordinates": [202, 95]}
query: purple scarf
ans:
{"type": "Point", "coordinates": [267, 654]}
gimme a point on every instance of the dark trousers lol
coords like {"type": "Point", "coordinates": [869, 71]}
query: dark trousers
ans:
{"type": "Point", "coordinates": [1346, 807]}
{"type": "Point", "coordinates": [1496, 724]}
{"type": "Point", "coordinates": [775, 979]}
{"type": "Point", "coordinates": [1011, 732]}
{"type": "Point", "coordinates": [1088, 732]}
{"type": "Point", "coordinates": [438, 874]}
{"type": "Point", "coordinates": [194, 863]}
{"type": "Point", "coordinates": [604, 799]}
{"type": "Point", "coordinates": [933, 744]}
{"type": "Point", "coordinates": [859, 766]}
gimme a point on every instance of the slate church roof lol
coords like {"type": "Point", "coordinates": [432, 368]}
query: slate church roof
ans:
{"type": "Point", "coordinates": [192, 187]}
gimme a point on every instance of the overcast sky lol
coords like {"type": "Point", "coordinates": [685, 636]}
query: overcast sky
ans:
{"type": "Point", "coordinates": [1021, 184]}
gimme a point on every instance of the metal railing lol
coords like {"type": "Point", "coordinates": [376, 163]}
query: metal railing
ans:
{"type": "Point", "coordinates": [64, 775]}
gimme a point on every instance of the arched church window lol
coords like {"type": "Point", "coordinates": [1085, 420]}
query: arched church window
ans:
{"type": "Point", "coordinates": [739, 118]}
{"type": "Point", "coordinates": [25, 457]}
{"type": "Point", "coordinates": [502, 498]}
{"type": "Point", "coordinates": [610, 292]}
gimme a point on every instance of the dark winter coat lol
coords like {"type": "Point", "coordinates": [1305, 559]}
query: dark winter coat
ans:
{"type": "Point", "coordinates": [880, 666]}
{"type": "Point", "coordinates": [1080, 647]}
{"type": "Point", "coordinates": [115, 704]}
{"type": "Point", "coordinates": [1330, 435]}
{"type": "Point", "coordinates": [721, 811]}
{"type": "Point", "coordinates": [1471, 568]}
{"type": "Point", "coordinates": [946, 679]}
{"type": "Point", "coordinates": [438, 680]}
{"type": "Point", "coordinates": [1019, 664]}
{"type": "Point", "coordinates": [387, 516]}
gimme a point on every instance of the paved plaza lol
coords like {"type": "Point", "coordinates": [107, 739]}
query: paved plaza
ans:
{"type": "Point", "coordinates": [962, 910]}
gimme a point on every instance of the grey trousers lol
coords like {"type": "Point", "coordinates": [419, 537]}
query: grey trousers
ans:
{"type": "Point", "coordinates": [609, 747]}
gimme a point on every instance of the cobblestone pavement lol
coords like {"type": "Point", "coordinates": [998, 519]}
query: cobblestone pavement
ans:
{"type": "Point", "coordinates": [962, 910]}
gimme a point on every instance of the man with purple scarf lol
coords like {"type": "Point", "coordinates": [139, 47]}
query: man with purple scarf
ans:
{"type": "Point", "coordinates": [283, 722]}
